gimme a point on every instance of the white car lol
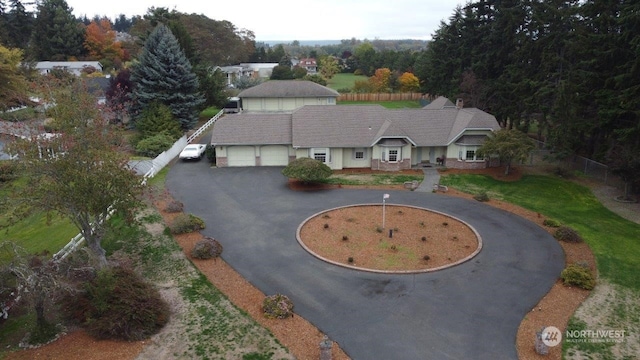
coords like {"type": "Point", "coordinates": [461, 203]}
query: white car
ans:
{"type": "Point", "coordinates": [192, 151]}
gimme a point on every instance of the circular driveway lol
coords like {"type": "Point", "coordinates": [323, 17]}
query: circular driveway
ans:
{"type": "Point", "coordinates": [471, 311]}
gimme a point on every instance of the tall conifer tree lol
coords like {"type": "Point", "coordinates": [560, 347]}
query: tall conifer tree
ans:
{"type": "Point", "coordinates": [57, 35]}
{"type": "Point", "coordinates": [163, 74]}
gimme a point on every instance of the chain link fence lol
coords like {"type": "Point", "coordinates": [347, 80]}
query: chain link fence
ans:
{"type": "Point", "coordinates": [573, 164]}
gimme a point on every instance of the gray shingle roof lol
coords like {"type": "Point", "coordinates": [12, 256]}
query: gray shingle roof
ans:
{"type": "Point", "coordinates": [335, 126]}
{"type": "Point", "coordinates": [351, 126]}
{"type": "Point", "coordinates": [288, 89]}
{"type": "Point", "coordinates": [471, 140]}
{"type": "Point", "coordinates": [252, 129]}
{"type": "Point", "coordinates": [439, 103]}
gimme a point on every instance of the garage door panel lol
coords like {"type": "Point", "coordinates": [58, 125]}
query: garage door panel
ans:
{"type": "Point", "coordinates": [241, 156]}
{"type": "Point", "coordinates": [274, 155]}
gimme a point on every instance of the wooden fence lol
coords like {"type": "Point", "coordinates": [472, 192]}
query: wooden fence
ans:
{"type": "Point", "coordinates": [373, 97]}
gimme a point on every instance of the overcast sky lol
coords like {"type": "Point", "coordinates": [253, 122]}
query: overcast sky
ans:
{"type": "Point", "coordinates": [301, 19]}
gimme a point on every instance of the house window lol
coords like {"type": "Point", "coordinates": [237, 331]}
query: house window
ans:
{"type": "Point", "coordinates": [321, 154]}
{"type": "Point", "coordinates": [393, 155]}
{"type": "Point", "coordinates": [470, 154]}
{"type": "Point", "coordinates": [331, 100]}
{"type": "Point", "coordinates": [359, 154]}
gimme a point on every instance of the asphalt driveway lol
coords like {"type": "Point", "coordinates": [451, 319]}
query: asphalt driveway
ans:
{"type": "Point", "coordinates": [471, 311]}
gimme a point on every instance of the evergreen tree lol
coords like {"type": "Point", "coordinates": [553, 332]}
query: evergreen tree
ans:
{"type": "Point", "coordinates": [19, 25]}
{"type": "Point", "coordinates": [3, 23]}
{"type": "Point", "coordinates": [163, 74]}
{"type": "Point", "coordinates": [57, 35]}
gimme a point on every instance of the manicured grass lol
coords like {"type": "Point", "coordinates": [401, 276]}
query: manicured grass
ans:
{"type": "Point", "coordinates": [35, 234]}
{"type": "Point", "coordinates": [400, 104]}
{"type": "Point", "coordinates": [344, 81]}
{"type": "Point", "coordinates": [372, 179]}
{"type": "Point", "coordinates": [613, 240]}
{"type": "Point", "coordinates": [208, 113]}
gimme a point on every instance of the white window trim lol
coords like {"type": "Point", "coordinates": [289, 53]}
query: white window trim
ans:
{"type": "Point", "coordinates": [362, 150]}
{"type": "Point", "coordinates": [398, 155]}
{"type": "Point", "coordinates": [325, 151]}
{"type": "Point", "coordinates": [462, 154]}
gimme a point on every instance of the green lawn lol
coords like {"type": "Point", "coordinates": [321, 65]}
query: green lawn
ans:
{"type": "Point", "coordinates": [613, 240]}
{"type": "Point", "coordinates": [344, 81]}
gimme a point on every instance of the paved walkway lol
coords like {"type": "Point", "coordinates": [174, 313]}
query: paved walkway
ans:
{"type": "Point", "coordinates": [431, 178]}
{"type": "Point", "coordinates": [471, 311]}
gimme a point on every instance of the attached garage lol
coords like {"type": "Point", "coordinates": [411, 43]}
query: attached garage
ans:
{"type": "Point", "coordinates": [274, 155]}
{"type": "Point", "coordinates": [241, 156]}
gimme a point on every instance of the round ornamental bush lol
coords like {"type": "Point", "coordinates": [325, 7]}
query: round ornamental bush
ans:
{"type": "Point", "coordinates": [186, 223]}
{"type": "Point", "coordinates": [567, 234]}
{"type": "Point", "coordinates": [277, 306]}
{"type": "Point", "coordinates": [207, 248]}
{"type": "Point", "coordinates": [482, 196]}
{"type": "Point", "coordinates": [551, 223]}
{"type": "Point", "coordinates": [174, 206]}
{"type": "Point", "coordinates": [578, 275]}
{"type": "Point", "coordinates": [119, 304]}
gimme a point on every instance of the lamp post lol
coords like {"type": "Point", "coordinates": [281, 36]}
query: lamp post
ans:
{"type": "Point", "coordinates": [384, 198]}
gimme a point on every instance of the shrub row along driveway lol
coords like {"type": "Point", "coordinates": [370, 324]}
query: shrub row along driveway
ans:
{"type": "Point", "coordinates": [471, 311]}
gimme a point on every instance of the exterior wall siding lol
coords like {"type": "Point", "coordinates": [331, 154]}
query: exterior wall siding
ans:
{"type": "Point", "coordinates": [282, 104]}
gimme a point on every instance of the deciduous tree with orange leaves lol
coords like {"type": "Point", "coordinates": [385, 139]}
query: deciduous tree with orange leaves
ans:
{"type": "Point", "coordinates": [409, 82]}
{"type": "Point", "coordinates": [381, 80]}
{"type": "Point", "coordinates": [100, 41]}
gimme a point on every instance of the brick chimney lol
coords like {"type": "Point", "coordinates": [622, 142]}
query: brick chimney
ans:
{"type": "Point", "coordinates": [459, 103]}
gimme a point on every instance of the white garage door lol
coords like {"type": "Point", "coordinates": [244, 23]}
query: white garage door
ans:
{"type": "Point", "coordinates": [274, 155]}
{"type": "Point", "coordinates": [241, 156]}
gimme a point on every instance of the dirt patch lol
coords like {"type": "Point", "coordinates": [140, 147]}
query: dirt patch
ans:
{"type": "Point", "coordinates": [354, 236]}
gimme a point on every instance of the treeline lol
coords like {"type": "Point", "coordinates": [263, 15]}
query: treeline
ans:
{"type": "Point", "coordinates": [53, 33]}
{"type": "Point", "coordinates": [568, 69]}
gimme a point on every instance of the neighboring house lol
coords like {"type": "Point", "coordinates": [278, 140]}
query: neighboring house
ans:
{"type": "Point", "coordinates": [308, 64]}
{"type": "Point", "coordinates": [286, 96]}
{"type": "Point", "coordinates": [260, 70]}
{"type": "Point", "coordinates": [234, 72]}
{"type": "Point", "coordinates": [357, 136]}
{"type": "Point", "coordinates": [98, 86]}
{"type": "Point", "coordinates": [74, 67]}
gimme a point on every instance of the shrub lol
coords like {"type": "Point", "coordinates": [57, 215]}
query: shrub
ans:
{"type": "Point", "coordinates": [482, 196]}
{"type": "Point", "coordinates": [578, 275]}
{"type": "Point", "coordinates": [567, 234]}
{"type": "Point", "coordinates": [307, 170]}
{"type": "Point", "coordinates": [379, 229]}
{"type": "Point", "coordinates": [186, 223]}
{"type": "Point", "coordinates": [350, 260]}
{"type": "Point", "coordinates": [210, 153]}
{"type": "Point", "coordinates": [424, 238]}
{"type": "Point", "coordinates": [174, 206]}
{"type": "Point", "coordinates": [277, 306]}
{"type": "Point", "coordinates": [119, 304]}
{"type": "Point", "coordinates": [345, 237]}
{"type": "Point", "coordinates": [551, 223]}
{"type": "Point", "coordinates": [154, 145]}
{"type": "Point", "coordinates": [8, 170]}
{"type": "Point", "coordinates": [426, 257]}
{"type": "Point", "coordinates": [156, 119]}
{"type": "Point", "coordinates": [207, 248]}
